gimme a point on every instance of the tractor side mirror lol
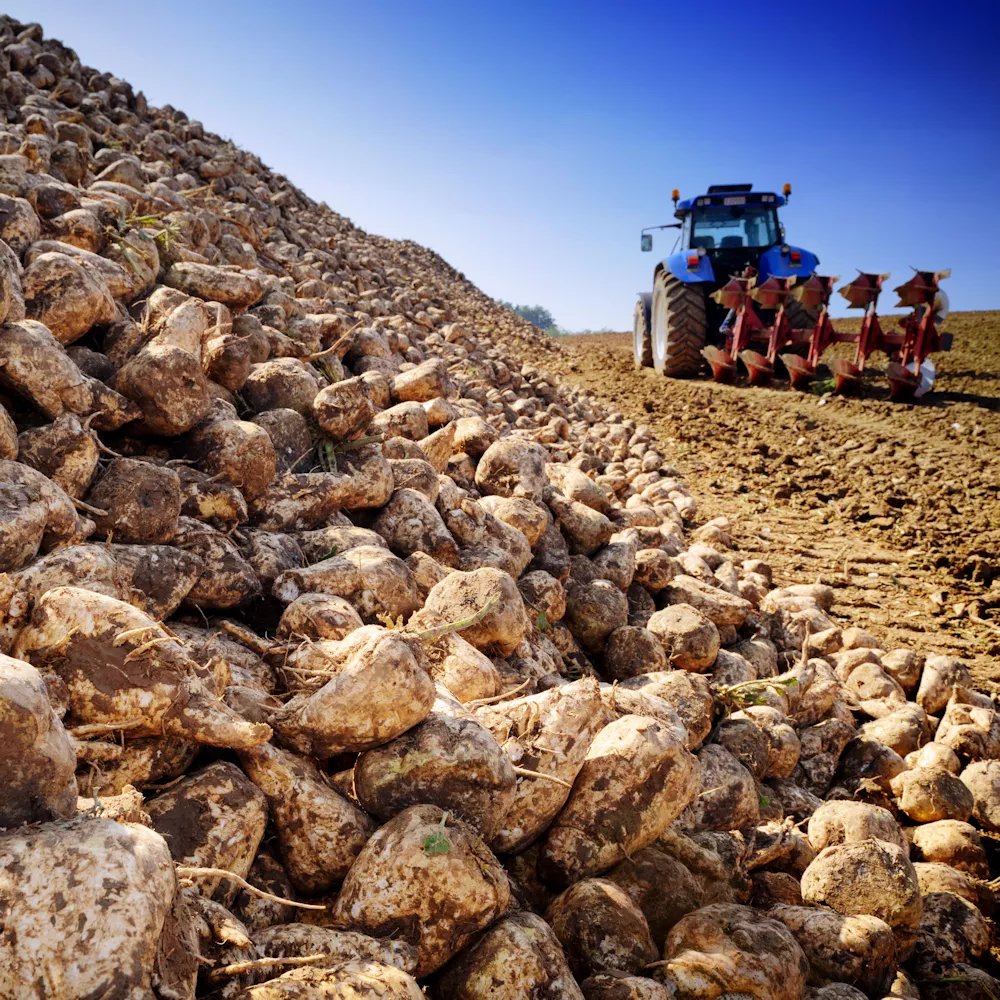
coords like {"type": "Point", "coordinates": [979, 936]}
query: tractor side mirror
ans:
{"type": "Point", "coordinates": [647, 242]}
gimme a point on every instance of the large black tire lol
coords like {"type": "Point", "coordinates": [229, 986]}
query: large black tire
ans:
{"type": "Point", "coordinates": [677, 320]}
{"type": "Point", "coordinates": [800, 317]}
{"type": "Point", "coordinates": [642, 343]}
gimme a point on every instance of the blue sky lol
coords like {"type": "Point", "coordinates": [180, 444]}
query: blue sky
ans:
{"type": "Point", "coordinates": [528, 143]}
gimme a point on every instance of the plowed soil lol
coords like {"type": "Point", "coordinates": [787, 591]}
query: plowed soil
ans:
{"type": "Point", "coordinates": [896, 505]}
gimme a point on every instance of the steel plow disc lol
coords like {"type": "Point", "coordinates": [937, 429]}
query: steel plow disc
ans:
{"type": "Point", "coordinates": [800, 371]}
{"type": "Point", "coordinates": [926, 374]}
{"type": "Point", "coordinates": [722, 365]}
{"type": "Point", "coordinates": [846, 375]}
{"type": "Point", "coordinates": [903, 383]}
{"type": "Point", "coordinates": [759, 369]}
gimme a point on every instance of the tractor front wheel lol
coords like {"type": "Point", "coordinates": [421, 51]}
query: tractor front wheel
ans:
{"type": "Point", "coordinates": [677, 315]}
{"type": "Point", "coordinates": [642, 342]}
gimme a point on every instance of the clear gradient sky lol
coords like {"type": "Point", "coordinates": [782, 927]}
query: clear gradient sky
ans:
{"type": "Point", "coordinates": [529, 142]}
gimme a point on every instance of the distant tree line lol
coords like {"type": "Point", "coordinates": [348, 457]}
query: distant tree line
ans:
{"type": "Point", "coordinates": [538, 315]}
{"type": "Point", "coordinates": [544, 320]}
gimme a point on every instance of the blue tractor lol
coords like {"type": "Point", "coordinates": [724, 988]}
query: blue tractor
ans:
{"type": "Point", "coordinates": [722, 234]}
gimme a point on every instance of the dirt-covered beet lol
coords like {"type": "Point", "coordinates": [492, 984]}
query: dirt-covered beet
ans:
{"type": "Point", "coordinates": [426, 879]}
{"type": "Point", "coordinates": [600, 929]}
{"type": "Point", "coordinates": [518, 956]}
{"type": "Point", "coordinates": [868, 877]}
{"type": "Point", "coordinates": [450, 760]}
{"type": "Point", "coordinates": [724, 950]}
{"type": "Point", "coordinates": [120, 667]}
{"type": "Point", "coordinates": [213, 818]}
{"type": "Point", "coordinates": [319, 832]}
{"type": "Point", "coordinates": [378, 688]}
{"type": "Point", "coordinates": [859, 949]}
{"type": "Point", "coordinates": [359, 978]}
{"type": "Point", "coordinates": [84, 903]}
{"type": "Point", "coordinates": [548, 734]}
{"type": "Point", "coordinates": [636, 778]}
{"type": "Point", "coordinates": [38, 758]}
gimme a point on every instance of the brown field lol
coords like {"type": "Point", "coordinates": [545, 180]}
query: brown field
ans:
{"type": "Point", "coordinates": [898, 505]}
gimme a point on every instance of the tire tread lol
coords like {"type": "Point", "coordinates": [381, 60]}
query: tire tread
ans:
{"type": "Point", "coordinates": [686, 323]}
{"type": "Point", "coordinates": [641, 316]}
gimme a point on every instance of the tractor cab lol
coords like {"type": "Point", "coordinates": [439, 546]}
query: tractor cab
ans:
{"type": "Point", "coordinates": [733, 227]}
{"type": "Point", "coordinates": [730, 221]}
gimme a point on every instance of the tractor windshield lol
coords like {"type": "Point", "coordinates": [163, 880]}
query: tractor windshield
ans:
{"type": "Point", "coordinates": [718, 227]}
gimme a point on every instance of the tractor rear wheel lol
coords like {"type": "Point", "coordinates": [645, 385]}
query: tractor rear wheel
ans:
{"type": "Point", "coordinates": [642, 343]}
{"type": "Point", "coordinates": [677, 315]}
{"type": "Point", "coordinates": [800, 317]}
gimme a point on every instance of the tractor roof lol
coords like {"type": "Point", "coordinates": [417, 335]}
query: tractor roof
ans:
{"type": "Point", "coordinates": [721, 194]}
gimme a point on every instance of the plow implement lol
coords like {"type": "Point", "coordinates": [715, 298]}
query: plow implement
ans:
{"type": "Point", "coordinates": [799, 348]}
{"type": "Point", "coordinates": [738, 295]}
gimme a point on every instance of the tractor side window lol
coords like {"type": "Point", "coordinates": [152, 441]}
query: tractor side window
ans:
{"type": "Point", "coordinates": [724, 227]}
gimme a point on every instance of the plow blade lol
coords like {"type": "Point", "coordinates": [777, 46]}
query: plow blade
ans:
{"type": "Point", "coordinates": [912, 381]}
{"type": "Point", "coordinates": [759, 369]}
{"type": "Point", "coordinates": [864, 290]}
{"type": "Point", "coordinates": [800, 371]}
{"type": "Point", "coordinates": [722, 365]}
{"type": "Point", "coordinates": [846, 375]}
{"type": "Point", "coordinates": [921, 289]}
{"type": "Point", "coordinates": [815, 290]}
{"type": "Point", "coordinates": [772, 293]}
{"type": "Point", "coordinates": [734, 293]}
{"type": "Point", "coordinates": [903, 383]}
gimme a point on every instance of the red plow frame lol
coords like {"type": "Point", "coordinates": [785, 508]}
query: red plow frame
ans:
{"type": "Point", "coordinates": [907, 348]}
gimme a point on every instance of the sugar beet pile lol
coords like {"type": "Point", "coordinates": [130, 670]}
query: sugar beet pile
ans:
{"type": "Point", "coordinates": [343, 650]}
